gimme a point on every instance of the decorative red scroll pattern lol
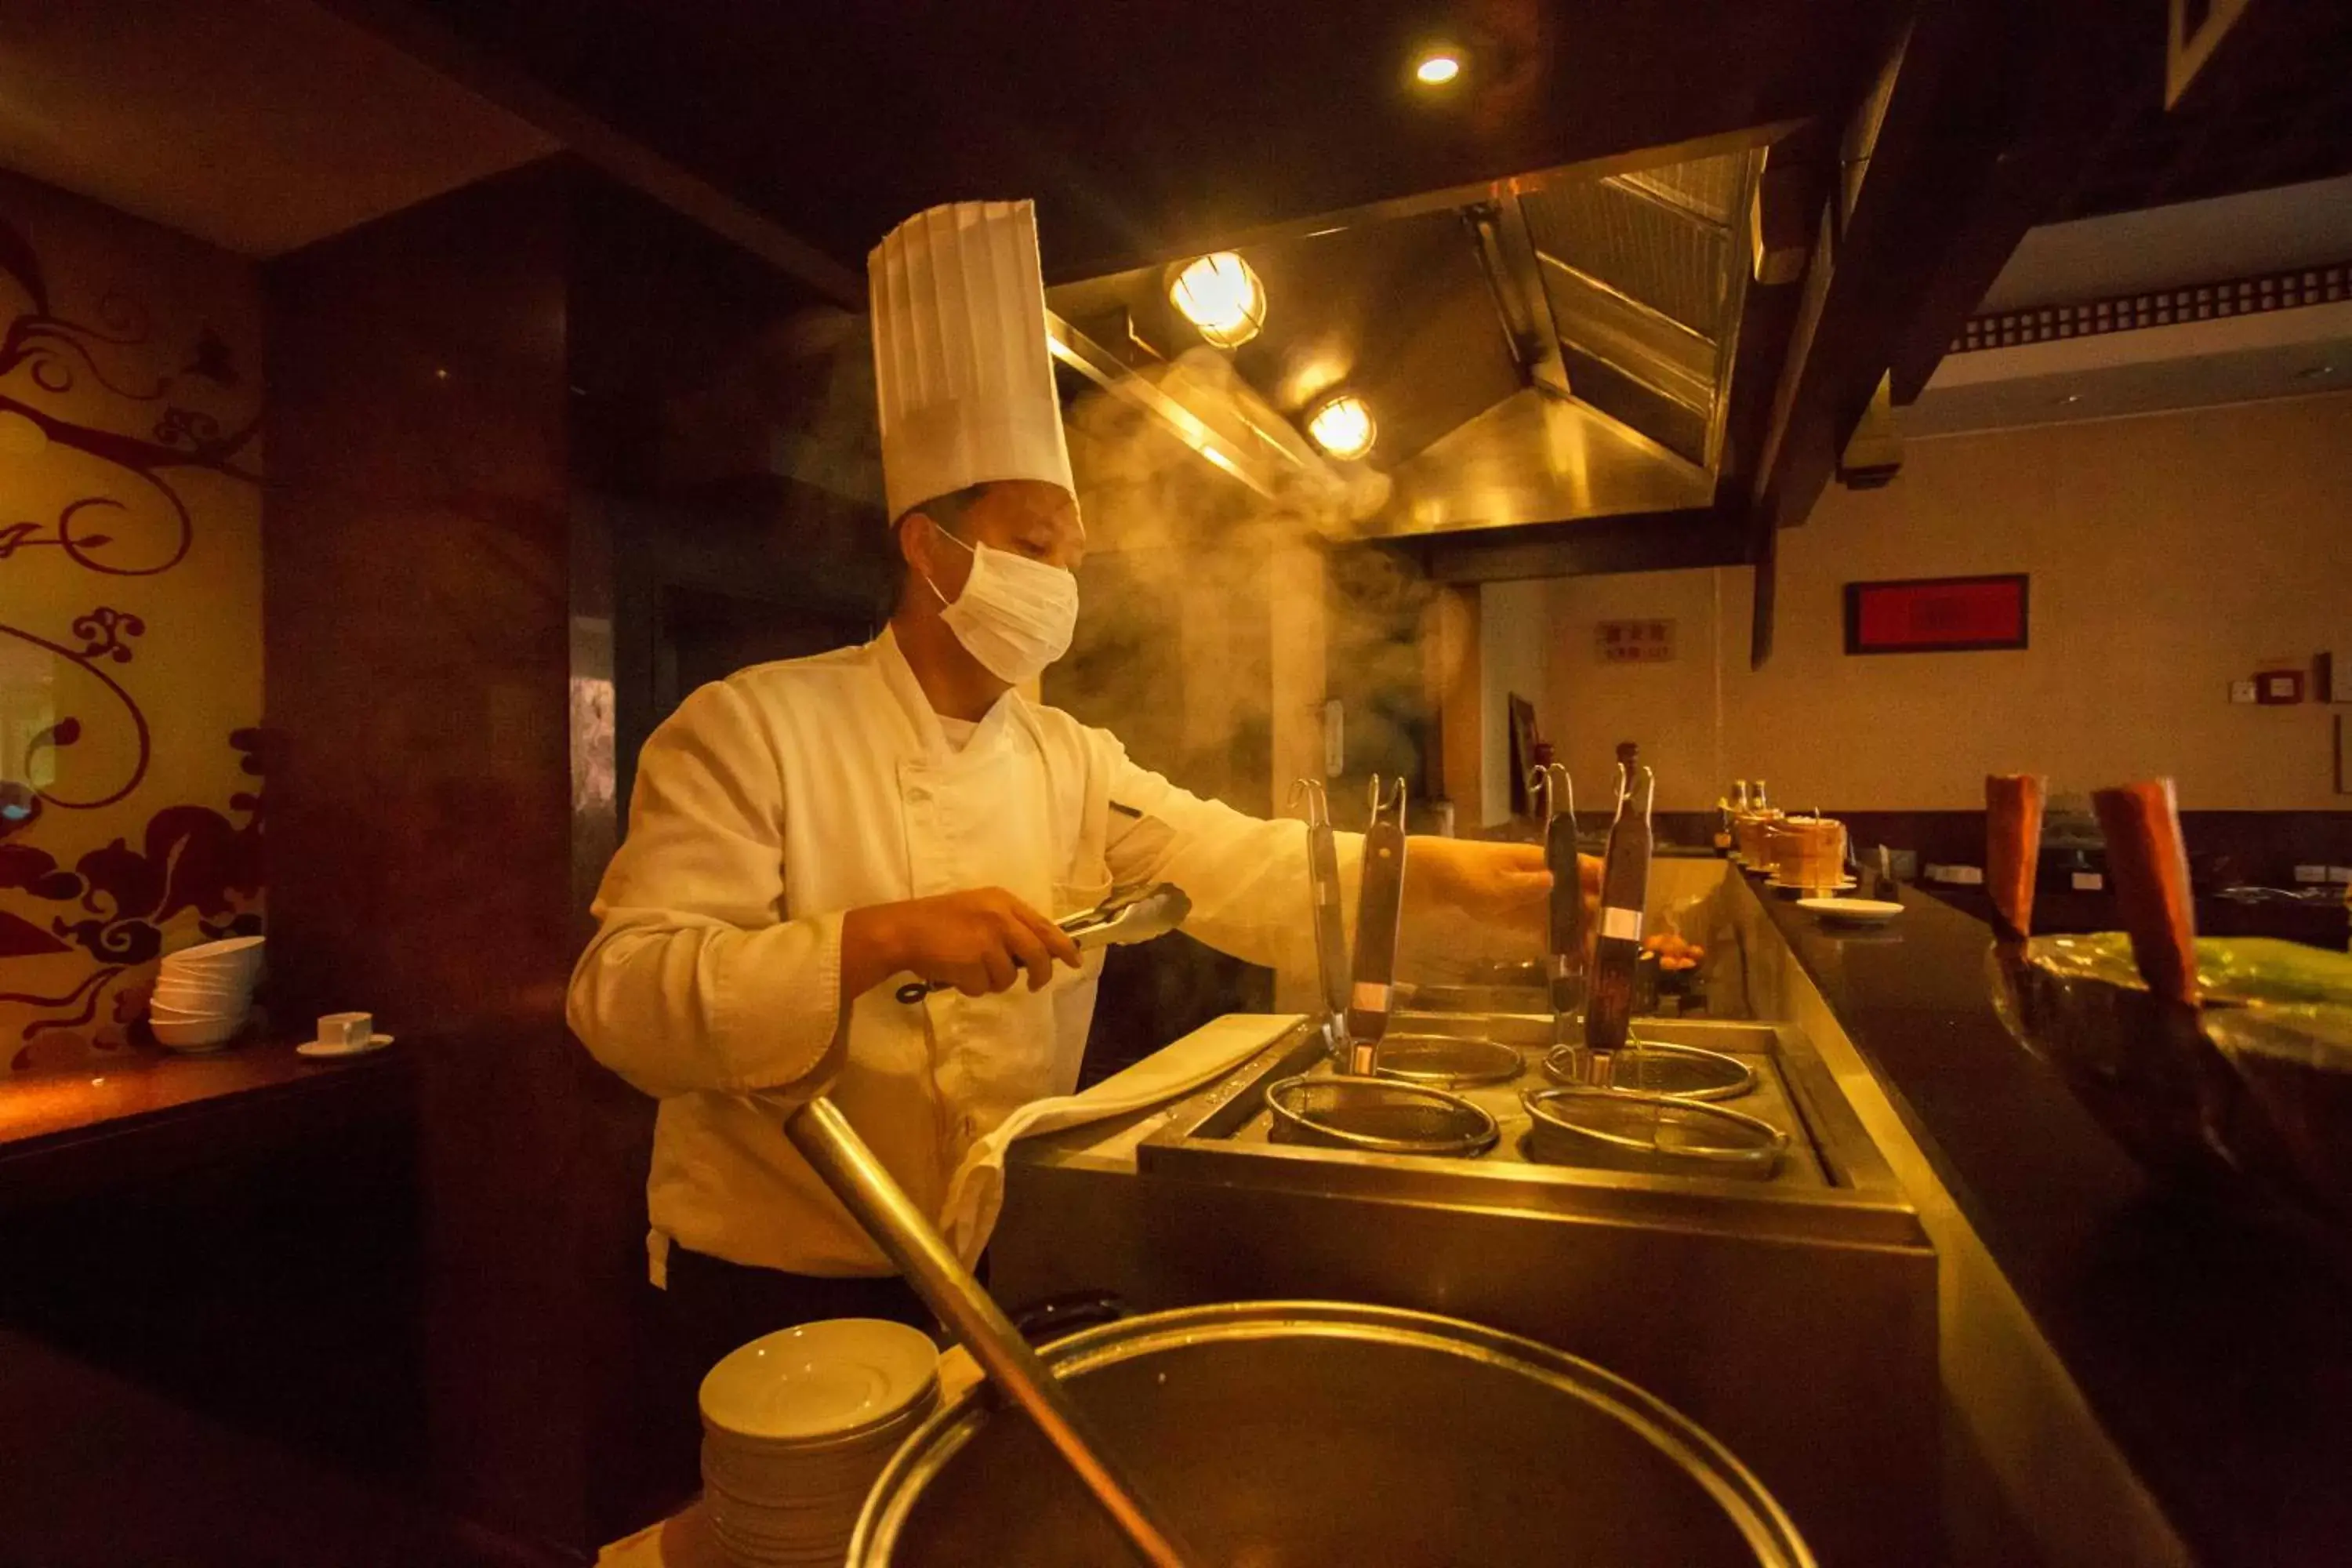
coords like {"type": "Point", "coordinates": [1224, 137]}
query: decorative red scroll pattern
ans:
{"type": "Point", "coordinates": [113, 903]}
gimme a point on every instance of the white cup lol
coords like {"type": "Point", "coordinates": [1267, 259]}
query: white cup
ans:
{"type": "Point", "coordinates": [346, 1031]}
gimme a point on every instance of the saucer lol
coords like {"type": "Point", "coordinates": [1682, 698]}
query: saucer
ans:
{"type": "Point", "coordinates": [1841, 886]}
{"type": "Point", "coordinates": [316, 1048]}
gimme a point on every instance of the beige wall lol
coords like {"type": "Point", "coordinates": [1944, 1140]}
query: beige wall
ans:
{"type": "Point", "coordinates": [1514, 659]}
{"type": "Point", "coordinates": [2170, 554]}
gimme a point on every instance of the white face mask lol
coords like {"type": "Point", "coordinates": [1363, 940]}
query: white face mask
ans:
{"type": "Point", "coordinates": [1015, 615]}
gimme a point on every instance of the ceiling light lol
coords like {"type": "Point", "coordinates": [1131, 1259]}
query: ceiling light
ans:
{"type": "Point", "coordinates": [1343, 427]}
{"type": "Point", "coordinates": [2315, 373]}
{"type": "Point", "coordinates": [1220, 295]}
{"type": "Point", "coordinates": [1437, 68]}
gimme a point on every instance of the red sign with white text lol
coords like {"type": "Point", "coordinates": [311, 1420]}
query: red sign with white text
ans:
{"type": "Point", "coordinates": [1941, 614]}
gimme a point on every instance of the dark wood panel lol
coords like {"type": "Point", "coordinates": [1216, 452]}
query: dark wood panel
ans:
{"type": "Point", "coordinates": [418, 564]}
{"type": "Point", "coordinates": [209, 1340]}
{"type": "Point", "coordinates": [511, 421]}
{"type": "Point", "coordinates": [150, 1116]}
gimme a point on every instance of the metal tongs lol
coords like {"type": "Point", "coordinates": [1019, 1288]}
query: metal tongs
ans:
{"type": "Point", "coordinates": [1552, 793]}
{"type": "Point", "coordinates": [1379, 907]}
{"type": "Point", "coordinates": [1331, 936]}
{"type": "Point", "coordinates": [1617, 951]}
{"type": "Point", "coordinates": [1129, 915]}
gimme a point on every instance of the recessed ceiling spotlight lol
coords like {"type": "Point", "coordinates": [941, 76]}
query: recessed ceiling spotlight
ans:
{"type": "Point", "coordinates": [1343, 427]}
{"type": "Point", "coordinates": [2070, 397]}
{"type": "Point", "coordinates": [2315, 373]}
{"type": "Point", "coordinates": [1437, 67]}
{"type": "Point", "coordinates": [1221, 295]}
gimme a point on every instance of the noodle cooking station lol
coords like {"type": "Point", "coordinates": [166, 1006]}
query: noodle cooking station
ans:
{"type": "Point", "coordinates": [1787, 1304]}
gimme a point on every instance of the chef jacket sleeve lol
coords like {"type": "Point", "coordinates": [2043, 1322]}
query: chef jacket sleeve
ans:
{"type": "Point", "coordinates": [1246, 876]}
{"type": "Point", "coordinates": [695, 979]}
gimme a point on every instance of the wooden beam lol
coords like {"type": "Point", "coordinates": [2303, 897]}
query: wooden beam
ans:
{"type": "Point", "coordinates": [1640, 542]}
{"type": "Point", "coordinates": [1455, 764]}
{"type": "Point", "coordinates": [2073, 83]}
{"type": "Point", "coordinates": [1876, 230]}
{"type": "Point", "coordinates": [1980, 117]}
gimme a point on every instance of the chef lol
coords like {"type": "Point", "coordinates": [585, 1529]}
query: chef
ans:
{"type": "Point", "coordinates": [807, 835]}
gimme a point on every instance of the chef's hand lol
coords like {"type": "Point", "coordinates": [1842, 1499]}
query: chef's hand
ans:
{"type": "Point", "coordinates": [1501, 884]}
{"type": "Point", "coordinates": [979, 942]}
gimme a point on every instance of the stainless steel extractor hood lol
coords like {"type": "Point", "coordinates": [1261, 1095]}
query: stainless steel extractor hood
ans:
{"type": "Point", "coordinates": [1546, 348]}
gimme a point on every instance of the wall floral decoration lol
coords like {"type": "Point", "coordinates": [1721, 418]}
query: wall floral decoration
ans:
{"type": "Point", "coordinates": [129, 615]}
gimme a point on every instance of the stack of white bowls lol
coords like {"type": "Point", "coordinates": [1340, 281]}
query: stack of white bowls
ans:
{"type": "Point", "coordinates": [202, 994]}
{"type": "Point", "coordinates": [797, 1425]}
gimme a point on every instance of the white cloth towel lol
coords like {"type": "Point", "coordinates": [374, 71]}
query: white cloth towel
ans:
{"type": "Point", "coordinates": [976, 1192]}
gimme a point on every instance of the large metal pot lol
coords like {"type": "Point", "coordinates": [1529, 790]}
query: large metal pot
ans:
{"type": "Point", "coordinates": [1312, 1434]}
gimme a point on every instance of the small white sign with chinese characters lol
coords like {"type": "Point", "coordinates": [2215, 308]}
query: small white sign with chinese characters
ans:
{"type": "Point", "coordinates": [1634, 642]}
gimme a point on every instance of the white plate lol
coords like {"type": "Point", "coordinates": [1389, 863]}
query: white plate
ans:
{"type": "Point", "coordinates": [1841, 885]}
{"type": "Point", "coordinates": [814, 1462]}
{"type": "Point", "coordinates": [325, 1048]}
{"type": "Point", "coordinates": [791, 1475]}
{"type": "Point", "coordinates": [820, 1380]}
{"type": "Point", "coordinates": [1854, 911]}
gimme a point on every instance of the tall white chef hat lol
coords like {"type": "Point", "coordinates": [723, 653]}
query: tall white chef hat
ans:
{"type": "Point", "coordinates": [966, 381]}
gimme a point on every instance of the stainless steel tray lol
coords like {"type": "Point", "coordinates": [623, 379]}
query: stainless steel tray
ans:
{"type": "Point", "coordinates": [1832, 1181]}
{"type": "Point", "coordinates": [1751, 1044]}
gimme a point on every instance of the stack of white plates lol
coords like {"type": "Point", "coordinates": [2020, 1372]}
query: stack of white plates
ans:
{"type": "Point", "coordinates": [202, 994]}
{"type": "Point", "coordinates": [795, 1427]}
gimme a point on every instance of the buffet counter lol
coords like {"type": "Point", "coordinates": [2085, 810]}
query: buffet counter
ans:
{"type": "Point", "coordinates": [2152, 1379]}
{"type": "Point", "coordinates": [2019, 1349]}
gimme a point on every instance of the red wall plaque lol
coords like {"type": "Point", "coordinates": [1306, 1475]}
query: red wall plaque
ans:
{"type": "Point", "coordinates": [1936, 614]}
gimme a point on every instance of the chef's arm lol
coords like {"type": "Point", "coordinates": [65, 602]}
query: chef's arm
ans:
{"type": "Point", "coordinates": [694, 981]}
{"type": "Point", "coordinates": [1247, 876]}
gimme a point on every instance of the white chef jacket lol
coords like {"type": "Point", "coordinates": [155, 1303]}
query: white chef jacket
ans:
{"type": "Point", "coordinates": [773, 802]}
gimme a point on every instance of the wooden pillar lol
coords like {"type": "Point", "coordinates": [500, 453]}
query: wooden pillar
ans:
{"type": "Point", "coordinates": [1450, 670]}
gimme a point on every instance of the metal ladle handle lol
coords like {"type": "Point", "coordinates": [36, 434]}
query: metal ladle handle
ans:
{"type": "Point", "coordinates": [833, 1148]}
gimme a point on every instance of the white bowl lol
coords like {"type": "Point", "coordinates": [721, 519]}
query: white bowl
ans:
{"type": "Point", "coordinates": [183, 1007]}
{"type": "Point", "coordinates": [196, 1016]}
{"type": "Point", "coordinates": [207, 979]}
{"type": "Point", "coordinates": [231, 968]}
{"type": "Point", "coordinates": [819, 1381]}
{"type": "Point", "coordinates": [1853, 911]}
{"type": "Point", "coordinates": [239, 959]}
{"type": "Point", "coordinates": [243, 949]}
{"type": "Point", "coordinates": [229, 974]}
{"type": "Point", "coordinates": [200, 1037]}
{"type": "Point", "coordinates": [183, 985]}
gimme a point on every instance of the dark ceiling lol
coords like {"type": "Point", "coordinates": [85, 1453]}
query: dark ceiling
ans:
{"type": "Point", "coordinates": [1149, 128]}
{"type": "Point", "coordinates": [2280, 114]}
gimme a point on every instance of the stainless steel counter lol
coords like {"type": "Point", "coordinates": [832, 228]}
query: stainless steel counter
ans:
{"type": "Point", "coordinates": [1795, 1317]}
